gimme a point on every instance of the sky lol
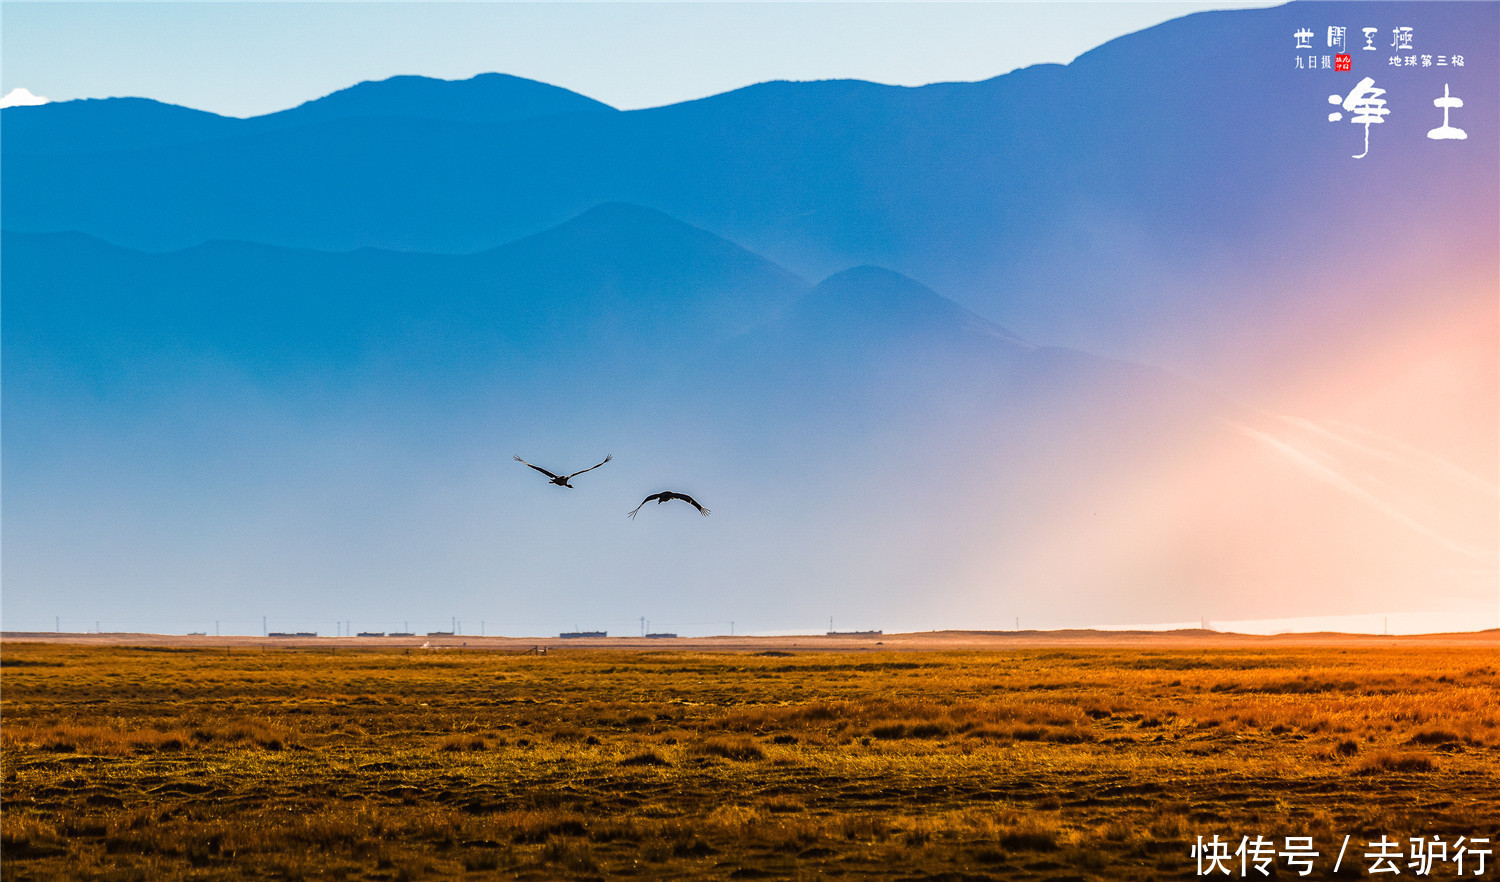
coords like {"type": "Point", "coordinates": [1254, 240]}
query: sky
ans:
{"type": "Point", "coordinates": [251, 58]}
{"type": "Point", "coordinates": [244, 59]}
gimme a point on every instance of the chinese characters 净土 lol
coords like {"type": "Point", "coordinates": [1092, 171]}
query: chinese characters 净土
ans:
{"type": "Point", "coordinates": [1365, 103]}
{"type": "Point", "coordinates": [1446, 132]}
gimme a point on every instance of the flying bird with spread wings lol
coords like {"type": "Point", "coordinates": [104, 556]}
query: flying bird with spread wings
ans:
{"type": "Point", "coordinates": [562, 480]}
{"type": "Point", "coordinates": [666, 495]}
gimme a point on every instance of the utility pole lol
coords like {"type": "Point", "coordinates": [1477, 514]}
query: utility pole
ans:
{"type": "Point", "coordinates": [643, 626]}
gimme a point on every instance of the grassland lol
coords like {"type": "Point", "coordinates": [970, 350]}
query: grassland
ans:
{"type": "Point", "coordinates": [161, 763]}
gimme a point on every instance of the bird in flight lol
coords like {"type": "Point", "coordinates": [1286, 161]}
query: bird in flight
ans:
{"type": "Point", "coordinates": [666, 495]}
{"type": "Point", "coordinates": [562, 480]}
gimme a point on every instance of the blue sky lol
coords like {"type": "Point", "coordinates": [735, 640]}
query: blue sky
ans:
{"type": "Point", "coordinates": [249, 58]}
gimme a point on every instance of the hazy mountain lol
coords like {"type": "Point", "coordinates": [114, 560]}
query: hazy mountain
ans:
{"type": "Point", "coordinates": [1175, 185]}
{"type": "Point", "coordinates": [96, 125]}
{"type": "Point", "coordinates": [62, 128]}
{"type": "Point", "coordinates": [617, 286]}
{"type": "Point", "coordinates": [486, 98]}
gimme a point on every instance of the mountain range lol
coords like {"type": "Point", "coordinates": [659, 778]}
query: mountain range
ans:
{"type": "Point", "coordinates": [1053, 199]}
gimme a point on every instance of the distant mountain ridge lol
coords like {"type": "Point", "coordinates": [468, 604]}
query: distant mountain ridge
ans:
{"type": "Point", "coordinates": [1051, 200]}
{"type": "Point", "coordinates": [487, 98]}
{"type": "Point", "coordinates": [101, 124]}
{"type": "Point", "coordinates": [615, 281]}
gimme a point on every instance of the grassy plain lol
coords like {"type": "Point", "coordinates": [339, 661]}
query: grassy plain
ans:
{"type": "Point", "coordinates": [1048, 763]}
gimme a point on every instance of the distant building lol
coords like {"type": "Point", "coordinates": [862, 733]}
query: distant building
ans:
{"type": "Point", "coordinates": [375, 634]}
{"type": "Point", "coordinates": [855, 633]}
{"type": "Point", "coordinates": [653, 636]}
{"type": "Point", "coordinates": [399, 634]}
{"type": "Point", "coordinates": [574, 635]}
{"type": "Point", "coordinates": [439, 633]}
{"type": "Point", "coordinates": [293, 634]}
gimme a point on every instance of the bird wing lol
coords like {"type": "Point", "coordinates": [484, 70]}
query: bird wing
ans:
{"type": "Point", "coordinates": [538, 468]}
{"type": "Point", "coordinates": [592, 467]}
{"type": "Point", "coordinates": [643, 502]}
{"type": "Point", "coordinates": [689, 500]}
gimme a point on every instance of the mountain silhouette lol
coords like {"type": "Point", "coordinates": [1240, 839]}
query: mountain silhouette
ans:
{"type": "Point", "coordinates": [1115, 205]}
{"type": "Point", "coordinates": [869, 301]}
{"type": "Point", "coordinates": [93, 124]}
{"type": "Point", "coordinates": [108, 124]}
{"type": "Point", "coordinates": [617, 285]}
{"type": "Point", "coordinates": [486, 98]}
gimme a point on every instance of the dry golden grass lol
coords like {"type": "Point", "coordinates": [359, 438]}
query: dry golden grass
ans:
{"type": "Point", "coordinates": [123, 763]}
